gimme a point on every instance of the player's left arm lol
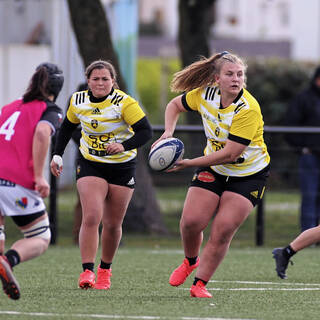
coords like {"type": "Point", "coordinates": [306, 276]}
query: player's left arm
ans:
{"type": "Point", "coordinates": [47, 126]}
{"type": "Point", "coordinates": [40, 147]}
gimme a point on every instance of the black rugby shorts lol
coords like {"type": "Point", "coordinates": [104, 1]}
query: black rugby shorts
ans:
{"type": "Point", "coordinates": [251, 187]}
{"type": "Point", "coordinates": [122, 174]}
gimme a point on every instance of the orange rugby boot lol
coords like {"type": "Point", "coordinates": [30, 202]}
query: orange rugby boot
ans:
{"type": "Point", "coordinates": [199, 290]}
{"type": "Point", "coordinates": [87, 279]}
{"type": "Point", "coordinates": [9, 282]}
{"type": "Point", "coordinates": [103, 279]}
{"type": "Point", "coordinates": [180, 274]}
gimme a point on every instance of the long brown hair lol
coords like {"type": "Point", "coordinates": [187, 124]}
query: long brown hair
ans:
{"type": "Point", "coordinates": [202, 73]}
{"type": "Point", "coordinates": [46, 81]}
{"type": "Point", "coordinates": [101, 64]}
{"type": "Point", "coordinates": [38, 86]}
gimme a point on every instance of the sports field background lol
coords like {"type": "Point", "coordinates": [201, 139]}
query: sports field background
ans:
{"type": "Point", "coordinates": [244, 287]}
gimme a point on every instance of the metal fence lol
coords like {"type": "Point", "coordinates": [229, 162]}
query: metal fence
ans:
{"type": "Point", "coordinates": [283, 167]}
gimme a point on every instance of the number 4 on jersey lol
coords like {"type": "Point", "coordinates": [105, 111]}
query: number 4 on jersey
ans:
{"type": "Point", "coordinates": [7, 127]}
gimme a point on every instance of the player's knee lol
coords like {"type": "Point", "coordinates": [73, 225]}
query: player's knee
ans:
{"type": "Point", "coordinates": [40, 230]}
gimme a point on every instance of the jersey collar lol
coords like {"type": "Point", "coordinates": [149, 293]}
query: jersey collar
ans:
{"type": "Point", "coordinates": [95, 100]}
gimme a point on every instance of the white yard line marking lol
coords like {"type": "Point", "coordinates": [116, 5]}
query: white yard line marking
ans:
{"type": "Point", "coordinates": [108, 316]}
{"type": "Point", "coordinates": [258, 289]}
{"type": "Point", "coordinates": [272, 283]}
{"type": "Point", "coordinates": [263, 289]}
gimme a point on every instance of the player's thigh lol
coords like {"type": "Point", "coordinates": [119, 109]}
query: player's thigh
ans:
{"type": "Point", "coordinates": [116, 203]}
{"type": "Point", "coordinates": [233, 210]}
{"type": "Point", "coordinates": [92, 192]}
{"type": "Point", "coordinates": [199, 207]}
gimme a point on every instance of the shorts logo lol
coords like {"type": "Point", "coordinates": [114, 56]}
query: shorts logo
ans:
{"type": "Point", "coordinates": [22, 203]}
{"type": "Point", "coordinates": [78, 169]}
{"type": "Point", "coordinates": [206, 176]}
{"type": "Point", "coordinates": [254, 194]}
{"type": "Point", "coordinates": [36, 203]}
{"type": "Point", "coordinates": [131, 182]}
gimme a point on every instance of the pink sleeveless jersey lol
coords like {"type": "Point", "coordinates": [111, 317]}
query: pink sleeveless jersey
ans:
{"type": "Point", "coordinates": [18, 121]}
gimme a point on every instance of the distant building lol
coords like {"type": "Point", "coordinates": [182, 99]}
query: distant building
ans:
{"type": "Point", "coordinates": [288, 28]}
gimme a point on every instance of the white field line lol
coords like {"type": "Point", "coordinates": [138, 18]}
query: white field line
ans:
{"type": "Point", "coordinates": [283, 206]}
{"type": "Point", "coordinates": [107, 316]}
{"type": "Point", "coordinates": [167, 205]}
{"type": "Point", "coordinates": [259, 289]}
{"type": "Point", "coordinates": [272, 283]}
{"type": "Point", "coordinates": [305, 288]}
{"type": "Point", "coordinates": [263, 289]}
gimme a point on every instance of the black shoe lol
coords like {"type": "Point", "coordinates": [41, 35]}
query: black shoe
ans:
{"type": "Point", "coordinates": [10, 284]}
{"type": "Point", "coordinates": [281, 262]}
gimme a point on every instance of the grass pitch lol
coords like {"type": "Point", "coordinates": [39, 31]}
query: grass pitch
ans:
{"type": "Point", "coordinates": [244, 287]}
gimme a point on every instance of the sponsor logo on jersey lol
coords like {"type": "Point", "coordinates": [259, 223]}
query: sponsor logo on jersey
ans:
{"type": "Point", "coordinates": [206, 176]}
{"type": "Point", "coordinates": [22, 203]}
{"type": "Point", "coordinates": [96, 111]}
{"type": "Point", "coordinates": [94, 123]}
{"type": "Point", "coordinates": [131, 182]}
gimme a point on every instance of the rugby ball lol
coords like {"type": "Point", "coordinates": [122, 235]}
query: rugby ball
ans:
{"type": "Point", "coordinates": [165, 154]}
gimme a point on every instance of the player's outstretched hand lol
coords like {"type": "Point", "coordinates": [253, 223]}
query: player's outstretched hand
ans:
{"type": "Point", "coordinates": [179, 165]}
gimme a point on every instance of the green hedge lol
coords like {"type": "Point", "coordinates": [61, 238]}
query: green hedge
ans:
{"type": "Point", "coordinates": [273, 82]}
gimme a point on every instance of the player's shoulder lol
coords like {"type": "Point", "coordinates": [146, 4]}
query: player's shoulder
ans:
{"type": "Point", "coordinates": [118, 96]}
{"type": "Point", "coordinates": [250, 100]}
{"type": "Point", "coordinates": [79, 97]}
{"type": "Point", "coordinates": [52, 106]}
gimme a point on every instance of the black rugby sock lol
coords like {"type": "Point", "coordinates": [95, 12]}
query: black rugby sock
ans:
{"type": "Point", "coordinates": [104, 265]}
{"type": "Point", "coordinates": [192, 260]}
{"type": "Point", "coordinates": [13, 257]}
{"type": "Point", "coordinates": [88, 266]}
{"type": "Point", "coordinates": [288, 252]}
{"type": "Point", "coordinates": [198, 279]}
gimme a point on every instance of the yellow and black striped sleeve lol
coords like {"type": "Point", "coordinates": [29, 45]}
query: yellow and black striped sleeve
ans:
{"type": "Point", "coordinates": [71, 112]}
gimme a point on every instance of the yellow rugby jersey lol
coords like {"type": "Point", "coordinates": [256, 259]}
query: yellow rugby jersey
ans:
{"type": "Point", "coordinates": [104, 122]}
{"type": "Point", "coordinates": [241, 122]}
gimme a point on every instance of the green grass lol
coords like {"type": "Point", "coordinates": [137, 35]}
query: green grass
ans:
{"type": "Point", "coordinates": [281, 220]}
{"type": "Point", "coordinates": [245, 287]}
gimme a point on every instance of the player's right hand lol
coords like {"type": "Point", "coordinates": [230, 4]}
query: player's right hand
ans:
{"type": "Point", "coordinates": [165, 135]}
{"type": "Point", "coordinates": [56, 165]}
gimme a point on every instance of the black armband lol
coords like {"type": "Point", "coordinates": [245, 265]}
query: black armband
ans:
{"type": "Point", "coordinates": [64, 136]}
{"type": "Point", "coordinates": [234, 138]}
{"type": "Point", "coordinates": [142, 133]}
